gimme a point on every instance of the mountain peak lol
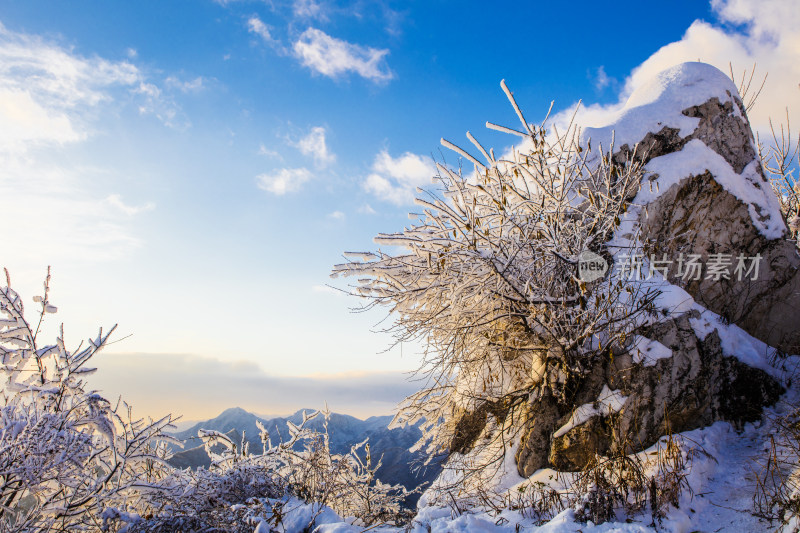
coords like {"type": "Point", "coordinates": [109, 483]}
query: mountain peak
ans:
{"type": "Point", "coordinates": [231, 411]}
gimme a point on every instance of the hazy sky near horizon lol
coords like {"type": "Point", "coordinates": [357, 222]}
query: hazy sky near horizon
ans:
{"type": "Point", "coordinates": [192, 170]}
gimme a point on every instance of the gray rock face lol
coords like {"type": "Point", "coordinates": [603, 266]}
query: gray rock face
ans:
{"type": "Point", "coordinates": [725, 132]}
{"type": "Point", "coordinates": [698, 216]}
{"type": "Point", "coordinates": [698, 384]}
{"type": "Point", "coordinates": [695, 387]}
{"type": "Point", "coordinates": [541, 422]}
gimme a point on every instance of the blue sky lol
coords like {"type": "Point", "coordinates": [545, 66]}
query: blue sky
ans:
{"type": "Point", "coordinates": [192, 170]}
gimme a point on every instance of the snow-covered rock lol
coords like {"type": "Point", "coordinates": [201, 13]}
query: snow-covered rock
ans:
{"type": "Point", "coordinates": [704, 197]}
{"type": "Point", "coordinates": [707, 195]}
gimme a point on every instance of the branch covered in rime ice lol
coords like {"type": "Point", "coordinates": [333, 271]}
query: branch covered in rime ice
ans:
{"type": "Point", "coordinates": [70, 461]}
{"type": "Point", "coordinates": [779, 159]}
{"type": "Point", "coordinates": [65, 452]}
{"type": "Point", "coordinates": [489, 279]}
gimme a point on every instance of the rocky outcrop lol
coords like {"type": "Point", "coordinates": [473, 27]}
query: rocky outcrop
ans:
{"type": "Point", "coordinates": [695, 387]}
{"type": "Point", "coordinates": [697, 216]}
{"type": "Point", "coordinates": [707, 200]}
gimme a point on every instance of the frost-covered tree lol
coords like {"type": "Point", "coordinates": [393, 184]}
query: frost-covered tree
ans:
{"type": "Point", "coordinates": [488, 279]}
{"type": "Point", "coordinates": [65, 452]}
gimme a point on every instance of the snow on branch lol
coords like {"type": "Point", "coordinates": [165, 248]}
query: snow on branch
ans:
{"type": "Point", "coordinates": [65, 453]}
{"type": "Point", "coordinates": [488, 276]}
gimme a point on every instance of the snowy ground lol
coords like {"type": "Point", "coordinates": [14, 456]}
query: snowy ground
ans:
{"type": "Point", "coordinates": [724, 501]}
{"type": "Point", "coordinates": [722, 498]}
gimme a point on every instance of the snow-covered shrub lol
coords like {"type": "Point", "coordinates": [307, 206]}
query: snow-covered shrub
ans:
{"type": "Point", "coordinates": [489, 279]}
{"type": "Point", "coordinates": [234, 499]}
{"type": "Point", "coordinates": [777, 495]}
{"type": "Point", "coordinates": [344, 482]}
{"type": "Point", "coordinates": [612, 487]}
{"type": "Point", "coordinates": [70, 461]}
{"type": "Point", "coordinates": [65, 452]}
{"type": "Point", "coordinates": [630, 483]}
{"type": "Point", "coordinates": [305, 465]}
{"type": "Point", "coordinates": [298, 480]}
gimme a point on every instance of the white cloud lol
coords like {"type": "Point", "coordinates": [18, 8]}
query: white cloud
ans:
{"type": "Point", "coordinates": [601, 79]}
{"type": "Point", "coordinates": [49, 99]}
{"type": "Point", "coordinates": [766, 32]}
{"type": "Point", "coordinates": [396, 179]}
{"type": "Point", "coordinates": [115, 200]}
{"type": "Point", "coordinates": [314, 145]}
{"type": "Point", "coordinates": [263, 150]}
{"type": "Point", "coordinates": [308, 9]}
{"type": "Point", "coordinates": [24, 121]}
{"type": "Point", "coordinates": [284, 180]}
{"type": "Point", "coordinates": [337, 215]}
{"type": "Point", "coordinates": [366, 209]}
{"type": "Point", "coordinates": [201, 387]}
{"type": "Point", "coordinates": [161, 106]}
{"type": "Point", "coordinates": [188, 86]}
{"type": "Point", "coordinates": [257, 26]}
{"type": "Point", "coordinates": [57, 215]}
{"type": "Point", "coordinates": [333, 57]}
{"type": "Point", "coordinates": [44, 89]}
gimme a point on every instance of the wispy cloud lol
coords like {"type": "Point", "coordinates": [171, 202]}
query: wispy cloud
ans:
{"type": "Point", "coordinates": [284, 180]}
{"type": "Point", "coordinates": [334, 57]}
{"type": "Point", "coordinates": [186, 86]}
{"type": "Point", "coordinates": [56, 214]}
{"type": "Point", "coordinates": [315, 146]}
{"type": "Point", "coordinates": [44, 89]}
{"type": "Point", "coordinates": [115, 200]}
{"type": "Point", "coordinates": [154, 102]}
{"type": "Point", "coordinates": [256, 25]}
{"type": "Point", "coordinates": [395, 179]}
{"type": "Point", "coordinates": [26, 121]}
{"type": "Point", "coordinates": [267, 152]}
{"type": "Point", "coordinates": [312, 9]}
{"type": "Point", "coordinates": [49, 101]}
{"type": "Point", "coordinates": [601, 79]}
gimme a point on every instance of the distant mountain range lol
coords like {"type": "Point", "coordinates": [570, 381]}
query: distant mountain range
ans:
{"type": "Point", "coordinates": [398, 465]}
